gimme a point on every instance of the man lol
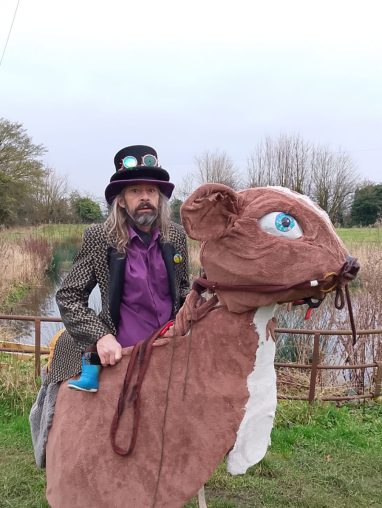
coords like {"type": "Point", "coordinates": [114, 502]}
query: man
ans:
{"type": "Point", "coordinates": [139, 260]}
{"type": "Point", "coordinates": [146, 283]}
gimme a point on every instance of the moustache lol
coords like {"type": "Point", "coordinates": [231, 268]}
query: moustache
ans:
{"type": "Point", "coordinates": [146, 205]}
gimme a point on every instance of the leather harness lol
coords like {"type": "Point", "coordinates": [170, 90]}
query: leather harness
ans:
{"type": "Point", "coordinates": [141, 354]}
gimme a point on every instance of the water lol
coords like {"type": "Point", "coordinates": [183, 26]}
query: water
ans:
{"type": "Point", "coordinates": [41, 300]}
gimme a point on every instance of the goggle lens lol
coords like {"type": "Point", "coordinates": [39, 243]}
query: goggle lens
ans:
{"type": "Point", "coordinates": [149, 160]}
{"type": "Point", "coordinates": [131, 162]}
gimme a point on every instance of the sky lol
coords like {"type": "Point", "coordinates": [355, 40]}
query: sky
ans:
{"type": "Point", "coordinates": [86, 78]}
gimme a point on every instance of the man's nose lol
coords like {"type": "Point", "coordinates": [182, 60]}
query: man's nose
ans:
{"type": "Point", "coordinates": [145, 196]}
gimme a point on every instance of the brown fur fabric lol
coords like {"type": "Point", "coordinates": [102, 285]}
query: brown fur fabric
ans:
{"type": "Point", "coordinates": [190, 415]}
{"type": "Point", "coordinates": [195, 389]}
{"type": "Point", "coordinates": [237, 250]}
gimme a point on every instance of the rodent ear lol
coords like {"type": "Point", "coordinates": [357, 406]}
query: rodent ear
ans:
{"type": "Point", "coordinates": [210, 211]}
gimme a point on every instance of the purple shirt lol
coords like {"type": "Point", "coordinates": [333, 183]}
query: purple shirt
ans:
{"type": "Point", "coordinates": [146, 302]}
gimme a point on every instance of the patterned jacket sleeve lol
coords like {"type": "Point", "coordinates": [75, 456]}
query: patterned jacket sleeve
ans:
{"type": "Point", "coordinates": [185, 274]}
{"type": "Point", "coordinates": [179, 238]}
{"type": "Point", "coordinates": [72, 298]}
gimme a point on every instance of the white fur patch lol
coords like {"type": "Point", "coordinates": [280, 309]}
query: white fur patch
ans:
{"type": "Point", "coordinates": [253, 436]}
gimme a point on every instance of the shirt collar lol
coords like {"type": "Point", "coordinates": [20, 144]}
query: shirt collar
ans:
{"type": "Point", "coordinates": [133, 234]}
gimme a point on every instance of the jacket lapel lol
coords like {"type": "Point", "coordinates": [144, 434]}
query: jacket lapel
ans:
{"type": "Point", "coordinates": [168, 251]}
{"type": "Point", "coordinates": [116, 262]}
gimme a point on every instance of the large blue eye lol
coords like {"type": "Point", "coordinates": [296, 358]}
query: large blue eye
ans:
{"type": "Point", "coordinates": [281, 224]}
{"type": "Point", "coordinates": [284, 222]}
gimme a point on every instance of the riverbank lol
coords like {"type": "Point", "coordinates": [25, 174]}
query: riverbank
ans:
{"type": "Point", "coordinates": [27, 254]}
{"type": "Point", "coordinates": [29, 259]}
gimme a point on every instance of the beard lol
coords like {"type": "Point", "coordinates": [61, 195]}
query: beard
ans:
{"type": "Point", "coordinates": [143, 219]}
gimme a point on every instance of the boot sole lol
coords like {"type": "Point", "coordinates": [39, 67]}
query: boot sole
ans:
{"type": "Point", "coordinates": [93, 390]}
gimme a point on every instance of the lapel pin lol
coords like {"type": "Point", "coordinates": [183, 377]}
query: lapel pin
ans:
{"type": "Point", "coordinates": [177, 258]}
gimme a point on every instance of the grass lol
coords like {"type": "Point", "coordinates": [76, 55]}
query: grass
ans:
{"type": "Point", "coordinates": [18, 386]}
{"type": "Point", "coordinates": [321, 455]}
{"type": "Point", "coordinates": [22, 485]}
{"type": "Point", "coordinates": [52, 232]}
{"type": "Point", "coordinates": [351, 236]}
{"type": "Point", "coordinates": [16, 292]}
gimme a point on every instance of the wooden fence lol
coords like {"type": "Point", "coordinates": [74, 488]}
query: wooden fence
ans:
{"type": "Point", "coordinates": [315, 366]}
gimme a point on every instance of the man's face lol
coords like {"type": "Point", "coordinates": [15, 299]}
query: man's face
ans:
{"type": "Point", "coordinates": [141, 203]}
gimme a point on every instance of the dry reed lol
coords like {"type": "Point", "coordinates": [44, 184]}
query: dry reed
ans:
{"type": "Point", "coordinates": [366, 296]}
{"type": "Point", "coordinates": [22, 266]}
{"type": "Point", "coordinates": [25, 263]}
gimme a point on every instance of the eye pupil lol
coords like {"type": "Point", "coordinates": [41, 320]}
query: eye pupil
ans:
{"type": "Point", "coordinates": [284, 222]}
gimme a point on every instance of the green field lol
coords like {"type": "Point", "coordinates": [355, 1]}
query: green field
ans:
{"type": "Point", "coordinates": [321, 456]}
{"type": "Point", "coordinates": [360, 235]}
{"type": "Point", "coordinates": [58, 231]}
{"type": "Point", "coordinates": [51, 232]}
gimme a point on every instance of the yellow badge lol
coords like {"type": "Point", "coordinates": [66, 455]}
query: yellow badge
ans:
{"type": "Point", "coordinates": [178, 258]}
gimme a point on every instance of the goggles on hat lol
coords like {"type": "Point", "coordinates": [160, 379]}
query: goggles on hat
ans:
{"type": "Point", "coordinates": [131, 162]}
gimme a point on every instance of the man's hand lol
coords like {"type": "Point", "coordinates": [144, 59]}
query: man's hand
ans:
{"type": "Point", "coordinates": [109, 350]}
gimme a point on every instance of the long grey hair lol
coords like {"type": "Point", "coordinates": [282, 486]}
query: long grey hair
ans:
{"type": "Point", "coordinates": [116, 225]}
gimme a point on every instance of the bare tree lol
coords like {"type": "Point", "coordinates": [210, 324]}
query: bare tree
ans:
{"type": "Point", "coordinates": [186, 188]}
{"type": "Point", "coordinates": [52, 197]}
{"type": "Point", "coordinates": [328, 178]}
{"type": "Point", "coordinates": [282, 162]}
{"type": "Point", "coordinates": [217, 167]}
{"type": "Point", "coordinates": [334, 180]}
{"type": "Point", "coordinates": [261, 165]}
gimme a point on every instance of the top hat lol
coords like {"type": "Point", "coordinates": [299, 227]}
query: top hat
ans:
{"type": "Point", "coordinates": [137, 164]}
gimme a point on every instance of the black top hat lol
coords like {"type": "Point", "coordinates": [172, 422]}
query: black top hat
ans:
{"type": "Point", "coordinates": [137, 164]}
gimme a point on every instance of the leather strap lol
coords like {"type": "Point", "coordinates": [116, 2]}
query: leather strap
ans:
{"type": "Point", "coordinates": [131, 391]}
{"type": "Point", "coordinates": [333, 281]}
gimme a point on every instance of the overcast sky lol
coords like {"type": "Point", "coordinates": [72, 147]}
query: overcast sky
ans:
{"type": "Point", "coordinates": [87, 78]}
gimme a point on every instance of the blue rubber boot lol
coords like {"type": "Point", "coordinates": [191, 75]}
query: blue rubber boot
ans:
{"type": "Point", "coordinates": [88, 381]}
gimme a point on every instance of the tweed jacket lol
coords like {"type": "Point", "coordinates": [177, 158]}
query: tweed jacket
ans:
{"type": "Point", "coordinates": [98, 262]}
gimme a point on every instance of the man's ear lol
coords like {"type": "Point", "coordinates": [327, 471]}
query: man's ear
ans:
{"type": "Point", "coordinates": [121, 201]}
{"type": "Point", "coordinates": [210, 211]}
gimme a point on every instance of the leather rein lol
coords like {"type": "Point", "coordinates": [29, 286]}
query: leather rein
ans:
{"type": "Point", "coordinates": [142, 351]}
{"type": "Point", "coordinates": [131, 388]}
{"type": "Point", "coordinates": [330, 282]}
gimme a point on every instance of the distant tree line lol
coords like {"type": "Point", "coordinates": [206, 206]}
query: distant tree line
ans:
{"type": "Point", "coordinates": [30, 192]}
{"type": "Point", "coordinates": [329, 178]}
{"type": "Point", "coordinates": [367, 205]}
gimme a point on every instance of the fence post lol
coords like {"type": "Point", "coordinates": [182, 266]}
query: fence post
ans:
{"type": "Point", "coordinates": [37, 358]}
{"type": "Point", "coordinates": [313, 372]}
{"type": "Point", "coordinates": [378, 380]}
